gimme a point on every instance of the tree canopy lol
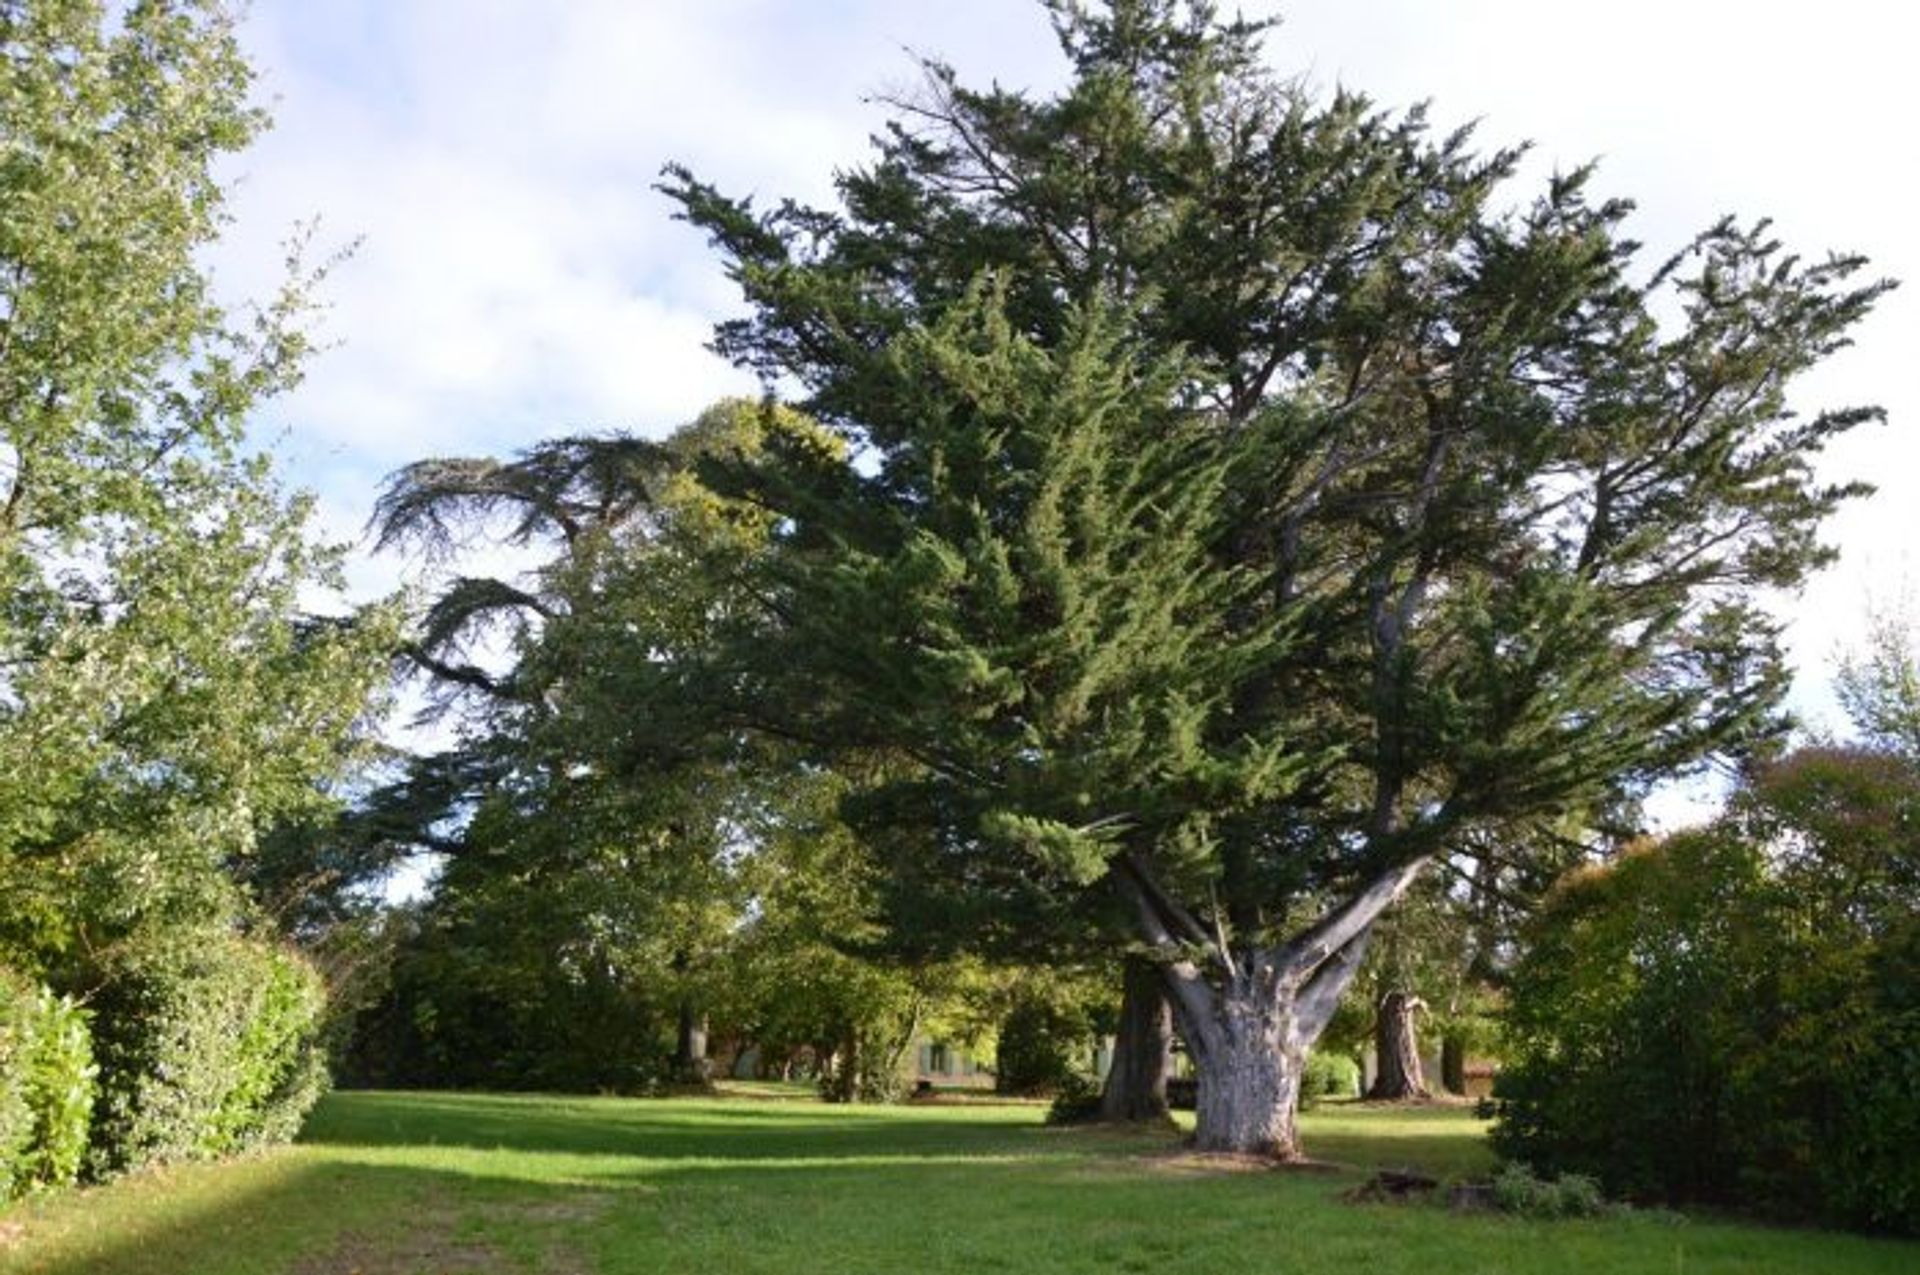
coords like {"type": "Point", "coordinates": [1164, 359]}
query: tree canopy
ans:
{"type": "Point", "coordinates": [1248, 498]}
{"type": "Point", "coordinates": [167, 696]}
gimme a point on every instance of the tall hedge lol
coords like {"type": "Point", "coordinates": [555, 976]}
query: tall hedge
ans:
{"type": "Point", "coordinates": [1733, 1016]}
{"type": "Point", "coordinates": [46, 1087]}
{"type": "Point", "coordinates": [209, 1044]}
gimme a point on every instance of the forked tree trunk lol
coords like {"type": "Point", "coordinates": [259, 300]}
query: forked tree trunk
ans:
{"type": "Point", "coordinates": [1397, 1047]}
{"type": "Point", "coordinates": [1250, 1014]}
{"type": "Point", "coordinates": [1136, 1088]}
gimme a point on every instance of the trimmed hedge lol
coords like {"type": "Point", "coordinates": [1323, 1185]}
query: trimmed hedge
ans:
{"type": "Point", "coordinates": [46, 1088]}
{"type": "Point", "coordinates": [209, 1044]}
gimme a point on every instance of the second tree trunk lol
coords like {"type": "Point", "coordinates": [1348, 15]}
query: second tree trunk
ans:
{"type": "Point", "coordinates": [1397, 1050]}
{"type": "Point", "coordinates": [1136, 1086]}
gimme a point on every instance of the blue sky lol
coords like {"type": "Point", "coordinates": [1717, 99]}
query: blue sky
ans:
{"type": "Point", "coordinates": [517, 276]}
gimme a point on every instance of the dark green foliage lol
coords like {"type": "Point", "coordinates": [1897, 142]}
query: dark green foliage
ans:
{"type": "Point", "coordinates": [1076, 1100]}
{"type": "Point", "coordinates": [209, 1043]}
{"type": "Point", "coordinates": [46, 1088]}
{"type": "Point", "coordinates": [1042, 1046]}
{"type": "Point", "coordinates": [484, 998]}
{"type": "Point", "coordinates": [1250, 511]}
{"type": "Point", "coordinates": [1731, 1016]}
{"type": "Point", "coordinates": [617, 854]}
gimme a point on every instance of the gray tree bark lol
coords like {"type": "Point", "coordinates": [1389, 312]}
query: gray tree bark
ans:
{"type": "Point", "coordinates": [1250, 1015]}
{"type": "Point", "coordinates": [1249, 1081]}
{"type": "Point", "coordinates": [1136, 1086]}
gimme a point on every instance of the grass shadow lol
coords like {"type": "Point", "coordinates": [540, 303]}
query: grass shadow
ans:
{"type": "Point", "coordinates": [681, 1129]}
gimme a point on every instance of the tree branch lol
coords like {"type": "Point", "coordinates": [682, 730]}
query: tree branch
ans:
{"type": "Point", "coordinates": [1324, 941]}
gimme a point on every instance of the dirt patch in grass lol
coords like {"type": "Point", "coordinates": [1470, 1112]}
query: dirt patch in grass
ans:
{"type": "Point", "coordinates": [1209, 1162]}
{"type": "Point", "coordinates": [425, 1246]}
{"type": "Point", "coordinates": [431, 1242]}
{"type": "Point", "coordinates": [578, 1208]}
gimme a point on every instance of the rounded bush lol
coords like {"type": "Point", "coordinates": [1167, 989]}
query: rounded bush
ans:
{"type": "Point", "coordinates": [1329, 1075]}
{"type": "Point", "coordinates": [1075, 1101]}
{"type": "Point", "coordinates": [1038, 1048]}
{"type": "Point", "coordinates": [209, 1044]}
{"type": "Point", "coordinates": [1712, 1021]}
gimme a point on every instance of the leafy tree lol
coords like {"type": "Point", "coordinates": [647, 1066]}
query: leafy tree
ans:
{"type": "Point", "coordinates": [687, 865]}
{"type": "Point", "coordinates": [1246, 512]}
{"type": "Point", "coordinates": [164, 698]}
{"type": "Point", "coordinates": [1729, 1016]}
{"type": "Point", "coordinates": [1880, 685]}
{"type": "Point", "coordinates": [637, 846]}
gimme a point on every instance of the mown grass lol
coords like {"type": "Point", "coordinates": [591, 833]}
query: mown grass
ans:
{"type": "Point", "coordinates": [394, 1184]}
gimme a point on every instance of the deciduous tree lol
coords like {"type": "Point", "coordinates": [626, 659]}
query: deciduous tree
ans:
{"type": "Point", "coordinates": [165, 697]}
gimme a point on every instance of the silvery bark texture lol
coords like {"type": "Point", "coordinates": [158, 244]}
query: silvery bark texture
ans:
{"type": "Point", "coordinates": [1249, 1015]}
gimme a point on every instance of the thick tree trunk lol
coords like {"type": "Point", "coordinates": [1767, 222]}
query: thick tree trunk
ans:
{"type": "Point", "coordinates": [1250, 1014]}
{"type": "Point", "coordinates": [840, 1068]}
{"type": "Point", "coordinates": [1453, 1065]}
{"type": "Point", "coordinates": [1398, 1048]}
{"type": "Point", "coordinates": [690, 1064]}
{"type": "Point", "coordinates": [1136, 1088]}
{"type": "Point", "coordinates": [1249, 1080]}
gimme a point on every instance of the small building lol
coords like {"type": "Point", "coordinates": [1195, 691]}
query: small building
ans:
{"type": "Point", "coordinates": [945, 1066]}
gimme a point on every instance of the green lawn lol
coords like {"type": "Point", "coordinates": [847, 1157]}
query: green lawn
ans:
{"type": "Point", "coordinates": [392, 1184]}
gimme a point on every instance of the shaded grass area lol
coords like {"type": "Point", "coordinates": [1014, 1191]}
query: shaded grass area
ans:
{"type": "Point", "coordinates": [393, 1184]}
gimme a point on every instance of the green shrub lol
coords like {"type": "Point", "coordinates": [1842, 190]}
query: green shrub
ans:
{"type": "Point", "coordinates": [1329, 1076]}
{"type": "Point", "coordinates": [1076, 1100]}
{"type": "Point", "coordinates": [46, 1088]}
{"type": "Point", "coordinates": [477, 1004]}
{"type": "Point", "coordinates": [1517, 1190]}
{"type": "Point", "coordinates": [1732, 1017]}
{"type": "Point", "coordinates": [209, 1044]}
{"type": "Point", "coordinates": [1869, 1081]}
{"type": "Point", "coordinates": [16, 1117]}
{"type": "Point", "coordinates": [60, 1077]}
{"type": "Point", "coordinates": [1038, 1047]}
